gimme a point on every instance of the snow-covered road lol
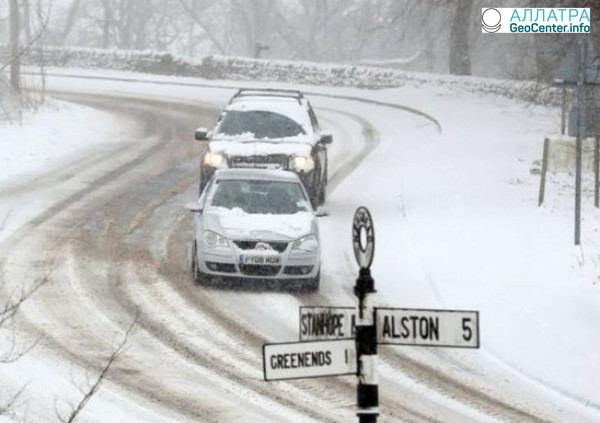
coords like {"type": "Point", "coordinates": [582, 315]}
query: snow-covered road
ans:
{"type": "Point", "coordinates": [456, 227]}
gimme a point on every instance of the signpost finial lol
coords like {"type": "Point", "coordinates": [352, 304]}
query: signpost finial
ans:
{"type": "Point", "coordinates": [363, 237]}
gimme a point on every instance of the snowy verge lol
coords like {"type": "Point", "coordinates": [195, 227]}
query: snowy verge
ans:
{"type": "Point", "coordinates": [52, 135]}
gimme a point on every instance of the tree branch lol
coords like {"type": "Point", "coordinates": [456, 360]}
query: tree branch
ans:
{"type": "Point", "coordinates": [11, 307]}
{"type": "Point", "coordinates": [103, 374]}
{"type": "Point", "coordinates": [207, 30]}
{"type": "Point", "coordinates": [4, 408]}
{"type": "Point", "coordinates": [37, 36]}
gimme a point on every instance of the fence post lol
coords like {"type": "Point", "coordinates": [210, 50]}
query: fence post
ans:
{"type": "Point", "coordinates": [543, 172]}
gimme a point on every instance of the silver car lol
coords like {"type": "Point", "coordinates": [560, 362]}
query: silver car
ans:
{"type": "Point", "coordinates": [257, 225]}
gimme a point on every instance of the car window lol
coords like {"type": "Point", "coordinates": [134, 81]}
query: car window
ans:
{"type": "Point", "coordinates": [203, 195]}
{"type": "Point", "coordinates": [259, 123]}
{"type": "Point", "coordinates": [260, 197]}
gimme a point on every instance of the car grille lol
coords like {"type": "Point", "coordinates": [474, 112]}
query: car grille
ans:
{"type": "Point", "coordinates": [273, 161]}
{"type": "Point", "coordinates": [259, 270]}
{"type": "Point", "coordinates": [251, 245]}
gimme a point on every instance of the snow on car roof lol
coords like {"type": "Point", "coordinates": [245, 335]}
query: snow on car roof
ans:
{"type": "Point", "coordinates": [260, 174]}
{"type": "Point", "coordinates": [287, 106]}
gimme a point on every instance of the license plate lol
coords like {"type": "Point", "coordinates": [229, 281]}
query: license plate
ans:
{"type": "Point", "coordinates": [259, 259]}
{"type": "Point", "coordinates": [258, 165]}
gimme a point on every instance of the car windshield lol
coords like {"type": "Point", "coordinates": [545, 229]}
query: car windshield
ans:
{"type": "Point", "coordinates": [260, 197]}
{"type": "Point", "coordinates": [259, 123]}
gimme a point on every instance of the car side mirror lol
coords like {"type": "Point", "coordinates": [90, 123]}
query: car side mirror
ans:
{"type": "Point", "coordinates": [326, 138]}
{"type": "Point", "coordinates": [194, 207]}
{"type": "Point", "coordinates": [201, 134]}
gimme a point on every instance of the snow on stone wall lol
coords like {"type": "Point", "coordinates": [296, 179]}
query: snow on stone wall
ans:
{"type": "Point", "coordinates": [242, 68]}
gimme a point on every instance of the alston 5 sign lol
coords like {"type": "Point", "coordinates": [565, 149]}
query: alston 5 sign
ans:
{"type": "Point", "coordinates": [399, 326]}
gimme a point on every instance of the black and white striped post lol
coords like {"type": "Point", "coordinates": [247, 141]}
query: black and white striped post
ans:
{"type": "Point", "coordinates": [363, 241]}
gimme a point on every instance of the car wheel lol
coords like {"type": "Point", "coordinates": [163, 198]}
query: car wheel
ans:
{"type": "Point", "coordinates": [322, 193]}
{"type": "Point", "coordinates": [314, 197]}
{"type": "Point", "coordinates": [322, 182]}
{"type": "Point", "coordinates": [195, 272]}
{"type": "Point", "coordinates": [314, 192]}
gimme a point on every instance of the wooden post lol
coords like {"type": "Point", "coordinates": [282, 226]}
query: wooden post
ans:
{"type": "Point", "coordinates": [543, 172]}
{"type": "Point", "coordinates": [597, 171]}
{"type": "Point", "coordinates": [580, 135]}
{"type": "Point", "coordinates": [563, 112]}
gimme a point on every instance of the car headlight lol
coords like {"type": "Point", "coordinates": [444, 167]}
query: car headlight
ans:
{"type": "Point", "coordinates": [214, 240]}
{"type": "Point", "coordinates": [308, 244]}
{"type": "Point", "coordinates": [216, 160]}
{"type": "Point", "coordinates": [302, 164]}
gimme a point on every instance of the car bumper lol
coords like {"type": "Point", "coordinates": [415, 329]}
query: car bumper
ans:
{"type": "Point", "coordinates": [228, 264]}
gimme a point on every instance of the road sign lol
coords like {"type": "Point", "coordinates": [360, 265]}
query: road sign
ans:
{"type": "Point", "coordinates": [336, 341]}
{"type": "Point", "coordinates": [323, 323]}
{"type": "Point", "coordinates": [399, 326]}
{"type": "Point", "coordinates": [363, 237]}
{"type": "Point", "coordinates": [439, 328]}
{"type": "Point", "coordinates": [300, 360]}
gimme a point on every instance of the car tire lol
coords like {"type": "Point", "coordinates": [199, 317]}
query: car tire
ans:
{"type": "Point", "coordinates": [313, 193]}
{"type": "Point", "coordinates": [322, 182]}
{"type": "Point", "coordinates": [196, 275]}
{"type": "Point", "coordinates": [322, 193]}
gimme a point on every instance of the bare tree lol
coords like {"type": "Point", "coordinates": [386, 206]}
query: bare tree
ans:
{"type": "Point", "coordinates": [15, 50]}
{"type": "Point", "coordinates": [15, 57]}
{"type": "Point", "coordinates": [460, 60]}
{"type": "Point", "coordinates": [72, 15]}
{"type": "Point", "coordinates": [7, 312]}
{"type": "Point", "coordinates": [26, 20]}
{"type": "Point", "coordinates": [93, 389]}
{"type": "Point", "coordinates": [193, 13]}
{"type": "Point", "coordinates": [254, 19]}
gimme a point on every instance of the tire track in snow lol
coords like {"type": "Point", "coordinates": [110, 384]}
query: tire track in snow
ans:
{"type": "Point", "coordinates": [229, 323]}
{"type": "Point", "coordinates": [68, 240]}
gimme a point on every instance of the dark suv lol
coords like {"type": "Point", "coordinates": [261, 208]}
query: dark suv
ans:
{"type": "Point", "coordinates": [268, 129]}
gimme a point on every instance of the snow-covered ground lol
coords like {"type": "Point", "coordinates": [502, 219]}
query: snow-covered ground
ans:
{"type": "Point", "coordinates": [456, 220]}
{"type": "Point", "coordinates": [52, 134]}
{"type": "Point", "coordinates": [52, 138]}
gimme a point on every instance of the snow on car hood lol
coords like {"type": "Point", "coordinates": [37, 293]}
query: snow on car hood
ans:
{"type": "Point", "coordinates": [239, 225]}
{"type": "Point", "coordinates": [262, 147]}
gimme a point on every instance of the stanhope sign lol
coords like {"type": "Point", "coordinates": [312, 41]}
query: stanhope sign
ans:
{"type": "Point", "coordinates": [397, 326]}
{"type": "Point", "coordinates": [337, 341]}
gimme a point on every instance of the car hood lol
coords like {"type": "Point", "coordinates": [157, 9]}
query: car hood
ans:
{"type": "Point", "coordinates": [260, 148]}
{"type": "Point", "coordinates": [235, 224]}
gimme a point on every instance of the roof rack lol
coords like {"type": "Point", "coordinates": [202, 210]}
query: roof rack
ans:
{"type": "Point", "coordinates": [268, 92]}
